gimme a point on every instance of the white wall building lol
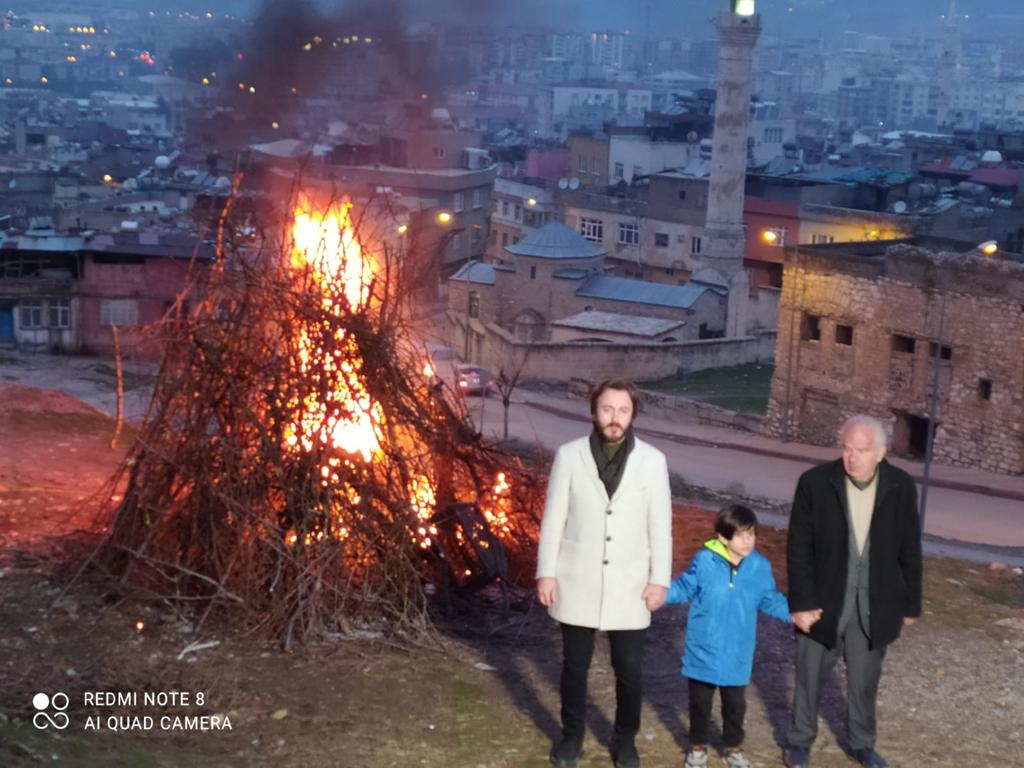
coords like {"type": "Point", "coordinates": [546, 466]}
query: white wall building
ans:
{"type": "Point", "coordinates": [631, 155]}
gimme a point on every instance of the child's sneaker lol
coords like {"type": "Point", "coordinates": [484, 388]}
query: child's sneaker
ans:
{"type": "Point", "coordinates": [697, 757]}
{"type": "Point", "coordinates": [734, 758]}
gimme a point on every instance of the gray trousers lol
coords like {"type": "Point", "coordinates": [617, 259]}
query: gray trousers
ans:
{"type": "Point", "coordinates": [814, 663]}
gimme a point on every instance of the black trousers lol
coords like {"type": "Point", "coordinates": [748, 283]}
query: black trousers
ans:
{"type": "Point", "coordinates": [734, 709]}
{"type": "Point", "coordinates": [627, 661]}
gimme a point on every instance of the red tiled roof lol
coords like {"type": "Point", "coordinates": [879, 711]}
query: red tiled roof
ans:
{"type": "Point", "coordinates": [996, 177]}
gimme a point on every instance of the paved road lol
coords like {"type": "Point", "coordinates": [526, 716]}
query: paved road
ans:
{"type": "Point", "coordinates": [972, 507]}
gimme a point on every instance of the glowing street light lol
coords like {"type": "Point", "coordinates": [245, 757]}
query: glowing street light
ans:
{"type": "Point", "coordinates": [743, 7]}
{"type": "Point", "coordinates": [444, 217]}
{"type": "Point", "coordinates": [989, 247]}
{"type": "Point", "coordinates": [770, 236]}
{"type": "Point", "coordinates": [531, 202]}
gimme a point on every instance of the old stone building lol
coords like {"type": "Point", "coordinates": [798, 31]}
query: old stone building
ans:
{"type": "Point", "coordinates": [554, 273]}
{"type": "Point", "coordinates": [552, 305]}
{"type": "Point", "coordinates": [877, 329]}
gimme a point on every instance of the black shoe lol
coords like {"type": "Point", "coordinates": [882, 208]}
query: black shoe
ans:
{"type": "Point", "coordinates": [797, 757]}
{"type": "Point", "coordinates": [869, 758]}
{"type": "Point", "coordinates": [565, 752]}
{"type": "Point", "coordinates": [625, 755]}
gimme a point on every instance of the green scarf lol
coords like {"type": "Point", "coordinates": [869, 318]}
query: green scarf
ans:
{"type": "Point", "coordinates": [611, 462]}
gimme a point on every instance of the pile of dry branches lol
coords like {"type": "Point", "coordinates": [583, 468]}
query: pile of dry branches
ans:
{"type": "Point", "coordinates": [298, 453]}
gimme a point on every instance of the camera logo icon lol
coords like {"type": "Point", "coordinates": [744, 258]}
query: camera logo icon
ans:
{"type": "Point", "coordinates": [43, 704]}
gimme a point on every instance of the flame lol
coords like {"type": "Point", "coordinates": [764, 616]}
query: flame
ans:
{"type": "Point", "coordinates": [423, 501]}
{"type": "Point", "coordinates": [347, 418]}
{"type": "Point", "coordinates": [338, 418]}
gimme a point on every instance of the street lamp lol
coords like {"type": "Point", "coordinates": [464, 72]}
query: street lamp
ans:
{"type": "Point", "coordinates": [743, 7]}
{"type": "Point", "coordinates": [770, 236]}
{"type": "Point", "coordinates": [989, 247]}
{"type": "Point", "coordinates": [444, 217]}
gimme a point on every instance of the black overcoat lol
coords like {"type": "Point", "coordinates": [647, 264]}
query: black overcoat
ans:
{"type": "Point", "coordinates": [817, 553]}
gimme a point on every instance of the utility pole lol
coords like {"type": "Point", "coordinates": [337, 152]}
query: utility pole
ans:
{"type": "Point", "coordinates": [933, 407]}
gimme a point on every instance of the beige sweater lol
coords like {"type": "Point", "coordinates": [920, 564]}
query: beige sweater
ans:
{"type": "Point", "coordinates": [862, 506]}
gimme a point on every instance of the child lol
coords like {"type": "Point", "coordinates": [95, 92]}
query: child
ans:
{"type": "Point", "coordinates": [727, 583]}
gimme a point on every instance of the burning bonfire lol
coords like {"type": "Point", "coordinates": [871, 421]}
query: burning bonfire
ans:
{"type": "Point", "coordinates": [301, 466]}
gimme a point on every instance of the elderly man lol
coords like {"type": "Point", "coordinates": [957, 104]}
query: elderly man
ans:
{"type": "Point", "coordinates": [854, 562]}
{"type": "Point", "coordinates": [604, 562]}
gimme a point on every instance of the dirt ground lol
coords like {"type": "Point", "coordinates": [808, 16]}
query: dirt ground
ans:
{"type": "Point", "coordinates": [484, 695]}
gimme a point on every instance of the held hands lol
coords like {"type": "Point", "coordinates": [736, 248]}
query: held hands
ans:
{"type": "Point", "coordinates": [654, 596]}
{"type": "Point", "coordinates": [804, 620]}
{"type": "Point", "coordinates": [547, 591]}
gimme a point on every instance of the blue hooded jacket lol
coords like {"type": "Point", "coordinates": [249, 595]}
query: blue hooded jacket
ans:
{"type": "Point", "coordinates": [722, 626]}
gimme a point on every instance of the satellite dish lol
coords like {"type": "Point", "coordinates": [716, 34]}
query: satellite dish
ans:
{"type": "Point", "coordinates": [574, 183]}
{"type": "Point", "coordinates": [899, 206]}
{"type": "Point", "coordinates": [563, 183]}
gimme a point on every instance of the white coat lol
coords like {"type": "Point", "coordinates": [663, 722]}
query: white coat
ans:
{"type": "Point", "coordinates": [602, 552]}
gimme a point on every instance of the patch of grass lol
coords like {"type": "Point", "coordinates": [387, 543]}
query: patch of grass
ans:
{"type": "Point", "coordinates": [83, 423]}
{"type": "Point", "coordinates": [1008, 593]}
{"type": "Point", "coordinates": [23, 745]}
{"type": "Point", "coordinates": [969, 596]}
{"type": "Point", "coordinates": [130, 380]}
{"type": "Point", "coordinates": [739, 388]}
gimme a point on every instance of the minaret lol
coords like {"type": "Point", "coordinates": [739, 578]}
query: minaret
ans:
{"type": "Point", "coordinates": [949, 65]}
{"type": "Point", "coordinates": [738, 30]}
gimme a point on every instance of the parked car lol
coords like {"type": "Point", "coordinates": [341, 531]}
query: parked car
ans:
{"type": "Point", "coordinates": [472, 380]}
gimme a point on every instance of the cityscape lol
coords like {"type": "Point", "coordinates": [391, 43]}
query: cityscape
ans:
{"type": "Point", "coordinates": [348, 268]}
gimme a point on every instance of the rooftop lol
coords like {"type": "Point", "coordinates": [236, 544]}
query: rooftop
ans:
{"type": "Point", "coordinates": [555, 241]}
{"type": "Point", "coordinates": [614, 322]}
{"type": "Point", "coordinates": [643, 292]}
{"type": "Point", "coordinates": [475, 272]}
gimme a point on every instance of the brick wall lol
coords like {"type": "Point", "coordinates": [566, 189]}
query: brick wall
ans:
{"type": "Point", "coordinates": [877, 321]}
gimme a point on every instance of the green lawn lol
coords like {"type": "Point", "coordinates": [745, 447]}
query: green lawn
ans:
{"type": "Point", "coordinates": [739, 388]}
